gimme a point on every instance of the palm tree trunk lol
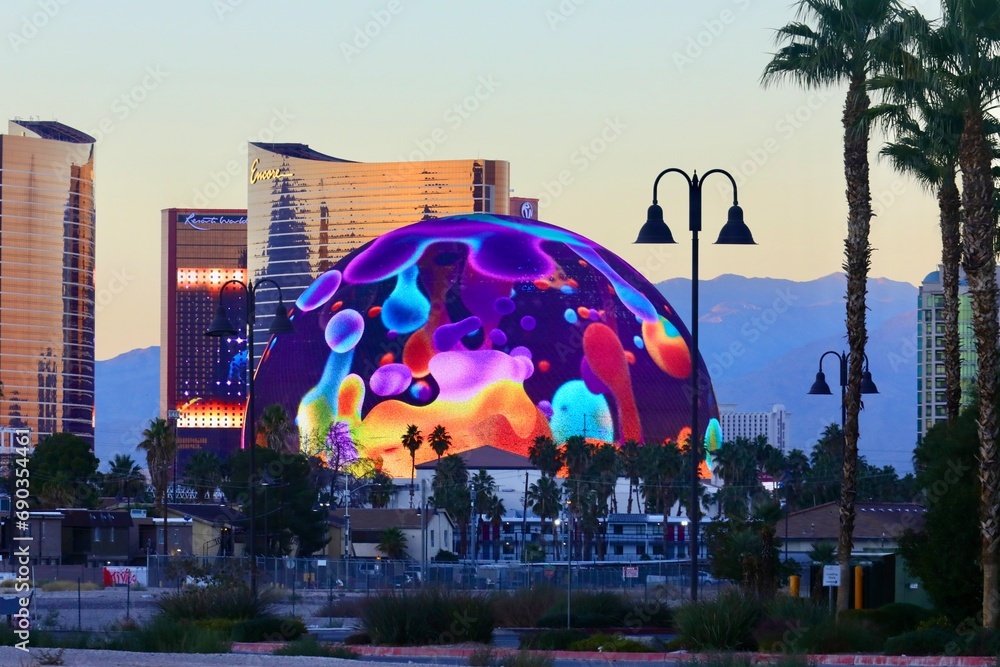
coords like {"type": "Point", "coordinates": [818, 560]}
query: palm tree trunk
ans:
{"type": "Point", "coordinates": [949, 205]}
{"type": "Point", "coordinates": [978, 199]}
{"type": "Point", "coordinates": [857, 259]}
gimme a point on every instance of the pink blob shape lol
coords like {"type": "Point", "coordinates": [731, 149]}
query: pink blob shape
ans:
{"type": "Point", "coordinates": [344, 330]}
{"type": "Point", "coordinates": [322, 289]}
{"type": "Point", "coordinates": [391, 379]}
{"type": "Point", "coordinates": [527, 322]}
{"type": "Point", "coordinates": [498, 337]}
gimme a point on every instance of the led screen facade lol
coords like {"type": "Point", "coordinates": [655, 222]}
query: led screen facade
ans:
{"type": "Point", "coordinates": [500, 329]}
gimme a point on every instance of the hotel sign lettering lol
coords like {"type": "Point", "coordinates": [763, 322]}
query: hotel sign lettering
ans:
{"type": "Point", "coordinates": [264, 174]}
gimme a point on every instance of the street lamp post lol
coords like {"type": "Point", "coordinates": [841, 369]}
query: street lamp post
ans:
{"type": "Point", "coordinates": [222, 327]}
{"type": "Point", "coordinates": [735, 232]}
{"type": "Point", "coordinates": [820, 387]}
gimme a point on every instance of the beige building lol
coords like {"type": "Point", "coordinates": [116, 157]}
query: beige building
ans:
{"type": "Point", "coordinates": [365, 527]}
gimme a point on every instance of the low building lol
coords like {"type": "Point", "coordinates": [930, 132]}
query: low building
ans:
{"type": "Point", "coordinates": [364, 529]}
{"type": "Point", "coordinates": [216, 530]}
{"type": "Point", "coordinates": [96, 537]}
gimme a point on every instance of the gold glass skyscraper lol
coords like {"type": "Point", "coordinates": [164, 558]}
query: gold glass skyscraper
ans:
{"type": "Point", "coordinates": [306, 210]}
{"type": "Point", "coordinates": [47, 223]}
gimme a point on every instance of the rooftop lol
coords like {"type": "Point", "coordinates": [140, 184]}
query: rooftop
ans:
{"type": "Point", "coordinates": [53, 129]}
{"type": "Point", "coordinates": [487, 457]}
{"type": "Point", "coordinates": [873, 521]}
{"type": "Point", "coordinates": [301, 151]}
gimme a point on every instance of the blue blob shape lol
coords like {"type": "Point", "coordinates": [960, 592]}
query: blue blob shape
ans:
{"type": "Point", "coordinates": [498, 337]}
{"type": "Point", "coordinates": [504, 306]}
{"type": "Point", "coordinates": [574, 409]}
{"type": "Point", "coordinates": [570, 316]}
{"type": "Point", "coordinates": [447, 336]}
{"type": "Point", "coordinates": [528, 322]}
{"type": "Point", "coordinates": [669, 328]}
{"type": "Point", "coordinates": [637, 340]}
{"type": "Point", "coordinates": [421, 391]}
{"type": "Point", "coordinates": [567, 289]}
{"type": "Point", "coordinates": [406, 309]}
{"type": "Point", "coordinates": [322, 289]}
{"type": "Point", "coordinates": [344, 330]}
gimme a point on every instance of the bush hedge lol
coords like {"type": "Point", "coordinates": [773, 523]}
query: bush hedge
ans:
{"type": "Point", "coordinates": [587, 610]}
{"type": "Point", "coordinates": [725, 623]}
{"type": "Point", "coordinates": [930, 641]}
{"type": "Point", "coordinates": [427, 616]}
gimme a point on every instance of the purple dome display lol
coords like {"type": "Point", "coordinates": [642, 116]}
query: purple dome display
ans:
{"type": "Point", "coordinates": [500, 329]}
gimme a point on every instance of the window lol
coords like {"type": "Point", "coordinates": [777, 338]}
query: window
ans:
{"type": "Point", "coordinates": [97, 534]}
{"type": "Point", "coordinates": [619, 550]}
{"type": "Point", "coordinates": [641, 529]}
{"type": "Point", "coordinates": [432, 530]}
{"type": "Point", "coordinates": [640, 550]}
{"type": "Point", "coordinates": [618, 529]}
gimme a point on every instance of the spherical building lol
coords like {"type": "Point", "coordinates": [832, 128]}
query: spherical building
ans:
{"type": "Point", "coordinates": [500, 329]}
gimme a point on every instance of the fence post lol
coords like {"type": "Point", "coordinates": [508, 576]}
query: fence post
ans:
{"type": "Point", "coordinates": [79, 604]}
{"type": "Point", "coordinates": [128, 599]}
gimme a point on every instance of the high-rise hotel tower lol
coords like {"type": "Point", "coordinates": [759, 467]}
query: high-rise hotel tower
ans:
{"type": "Point", "coordinates": [47, 222]}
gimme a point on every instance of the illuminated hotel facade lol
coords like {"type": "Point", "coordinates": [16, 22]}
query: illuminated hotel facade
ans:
{"type": "Point", "coordinates": [306, 210]}
{"type": "Point", "coordinates": [47, 225]}
{"type": "Point", "coordinates": [203, 379]}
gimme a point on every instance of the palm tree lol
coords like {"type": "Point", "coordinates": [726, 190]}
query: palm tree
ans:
{"type": "Point", "coordinates": [392, 542]}
{"type": "Point", "coordinates": [439, 440]}
{"type": "Point", "coordinates": [495, 512]}
{"type": "Point", "coordinates": [544, 499]}
{"type": "Point", "coordinates": [964, 52]}
{"type": "Point", "coordinates": [203, 474]}
{"type": "Point", "coordinates": [483, 487]}
{"type": "Point", "coordinates": [274, 428]}
{"type": "Point", "coordinates": [160, 446]}
{"type": "Point", "coordinates": [124, 478]}
{"type": "Point", "coordinates": [382, 489]}
{"type": "Point", "coordinates": [450, 487]}
{"type": "Point", "coordinates": [544, 455]}
{"type": "Point", "coordinates": [629, 463]}
{"type": "Point", "coordinates": [411, 441]}
{"type": "Point", "coordinates": [851, 41]}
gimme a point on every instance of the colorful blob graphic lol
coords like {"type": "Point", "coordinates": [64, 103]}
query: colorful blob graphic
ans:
{"type": "Point", "coordinates": [500, 329]}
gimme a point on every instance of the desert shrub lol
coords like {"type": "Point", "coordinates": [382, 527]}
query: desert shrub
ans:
{"type": "Point", "coordinates": [167, 635]}
{"type": "Point", "coordinates": [725, 623]}
{"type": "Point", "coordinates": [358, 639]}
{"type": "Point", "coordinates": [891, 619]}
{"type": "Point", "coordinates": [587, 610]}
{"type": "Point", "coordinates": [843, 636]}
{"type": "Point", "coordinates": [723, 660]}
{"type": "Point", "coordinates": [236, 602]}
{"type": "Point", "coordinates": [427, 616]}
{"type": "Point", "coordinates": [610, 643]}
{"type": "Point", "coordinates": [523, 608]}
{"type": "Point", "coordinates": [980, 642]}
{"type": "Point", "coordinates": [65, 585]}
{"type": "Point", "coordinates": [785, 622]}
{"type": "Point", "coordinates": [308, 646]}
{"type": "Point", "coordinates": [920, 642]}
{"type": "Point", "coordinates": [524, 659]}
{"type": "Point", "coordinates": [268, 629]}
{"type": "Point", "coordinates": [551, 640]}
{"type": "Point", "coordinates": [445, 557]}
{"type": "Point", "coordinates": [652, 613]}
{"type": "Point", "coordinates": [485, 656]}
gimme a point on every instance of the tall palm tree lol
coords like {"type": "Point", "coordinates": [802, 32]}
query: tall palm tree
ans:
{"type": "Point", "coordinates": [544, 455]}
{"type": "Point", "coordinates": [544, 499]}
{"type": "Point", "coordinates": [849, 42]}
{"type": "Point", "coordinates": [124, 478]}
{"type": "Point", "coordinates": [450, 487]}
{"type": "Point", "coordinates": [495, 512]}
{"type": "Point", "coordinates": [392, 542]}
{"type": "Point", "coordinates": [274, 428]}
{"type": "Point", "coordinates": [628, 456]}
{"type": "Point", "coordinates": [203, 473]}
{"type": "Point", "coordinates": [412, 440]}
{"type": "Point", "coordinates": [439, 440]}
{"type": "Point", "coordinates": [160, 446]}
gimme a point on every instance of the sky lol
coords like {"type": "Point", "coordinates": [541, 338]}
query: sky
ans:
{"type": "Point", "coordinates": [587, 100]}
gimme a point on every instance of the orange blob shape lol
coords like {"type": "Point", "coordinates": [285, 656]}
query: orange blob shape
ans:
{"type": "Point", "coordinates": [544, 366]}
{"type": "Point", "coordinates": [606, 358]}
{"type": "Point", "coordinates": [387, 358]}
{"type": "Point", "coordinates": [374, 311]}
{"type": "Point", "coordinates": [670, 353]}
{"type": "Point", "coordinates": [336, 306]}
{"type": "Point", "coordinates": [583, 312]}
{"type": "Point", "coordinates": [417, 353]}
{"type": "Point", "coordinates": [542, 284]}
{"type": "Point", "coordinates": [629, 357]}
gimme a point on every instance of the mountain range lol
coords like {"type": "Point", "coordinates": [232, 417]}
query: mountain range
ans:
{"type": "Point", "coordinates": [761, 338]}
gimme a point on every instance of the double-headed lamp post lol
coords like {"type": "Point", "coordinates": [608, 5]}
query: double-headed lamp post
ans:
{"type": "Point", "coordinates": [735, 232]}
{"type": "Point", "coordinates": [820, 387]}
{"type": "Point", "coordinates": [222, 327]}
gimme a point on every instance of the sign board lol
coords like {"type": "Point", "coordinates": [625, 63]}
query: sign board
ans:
{"type": "Point", "coordinates": [173, 414]}
{"type": "Point", "coordinates": [137, 514]}
{"type": "Point", "coordinates": [831, 575]}
{"type": "Point", "coordinates": [114, 576]}
{"type": "Point", "coordinates": [630, 572]}
{"type": "Point", "coordinates": [321, 563]}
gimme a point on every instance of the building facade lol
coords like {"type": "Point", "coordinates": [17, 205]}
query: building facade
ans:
{"type": "Point", "coordinates": [307, 210]}
{"type": "Point", "coordinates": [47, 225]}
{"type": "Point", "coordinates": [930, 350]}
{"type": "Point", "coordinates": [203, 380]}
{"type": "Point", "coordinates": [772, 425]}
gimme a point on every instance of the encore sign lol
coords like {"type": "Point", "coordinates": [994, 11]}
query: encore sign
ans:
{"type": "Point", "coordinates": [264, 175]}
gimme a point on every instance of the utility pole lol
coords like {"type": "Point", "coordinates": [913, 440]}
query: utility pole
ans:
{"type": "Point", "coordinates": [524, 517]}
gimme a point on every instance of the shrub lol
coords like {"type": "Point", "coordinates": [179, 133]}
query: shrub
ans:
{"type": "Point", "coordinates": [235, 602]}
{"type": "Point", "coordinates": [613, 643]}
{"type": "Point", "coordinates": [920, 642]}
{"type": "Point", "coordinates": [268, 629]}
{"type": "Point", "coordinates": [308, 646]}
{"type": "Point", "coordinates": [587, 610]}
{"type": "Point", "coordinates": [725, 623]}
{"type": "Point", "coordinates": [891, 619]}
{"type": "Point", "coordinates": [346, 607]}
{"type": "Point", "coordinates": [485, 656]}
{"type": "Point", "coordinates": [551, 640]}
{"type": "Point", "coordinates": [445, 557]}
{"type": "Point", "coordinates": [427, 616]}
{"type": "Point", "coordinates": [980, 642]}
{"type": "Point", "coordinates": [843, 636]}
{"type": "Point", "coordinates": [64, 585]}
{"type": "Point", "coordinates": [358, 639]}
{"type": "Point", "coordinates": [523, 608]}
{"type": "Point", "coordinates": [786, 620]}
{"type": "Point", "coordinates": [525, 659]}
{"type": "Point", "coordinates": [648, 614]}
{"type": "Point", "coordinates": [723, 660]}
{"type": "Point", "coordinates": [167, 635]}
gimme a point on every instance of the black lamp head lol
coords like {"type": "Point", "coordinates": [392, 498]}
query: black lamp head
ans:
{"type": "Point", "coordinates": [655, 230]}
{"type": "Point", "coordinates": [222, 326]}
{"type": "Point", "coordinates": [867, 385]}
{"type": "Point", "coordinates": [735, 232]}
{"type": "Point", "coordinates": [820, 386]}
{"type": "Point", "coordinates": [280, 324]}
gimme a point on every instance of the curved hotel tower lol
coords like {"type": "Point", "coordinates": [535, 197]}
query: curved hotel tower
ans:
{"type": "Point", "coordinates": [306, 210]}
{"type": "Point", "coordinates": [47, 222]}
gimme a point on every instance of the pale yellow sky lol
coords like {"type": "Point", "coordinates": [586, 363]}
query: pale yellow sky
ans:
{"type": "Point", "coordinates": [587, 100]}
